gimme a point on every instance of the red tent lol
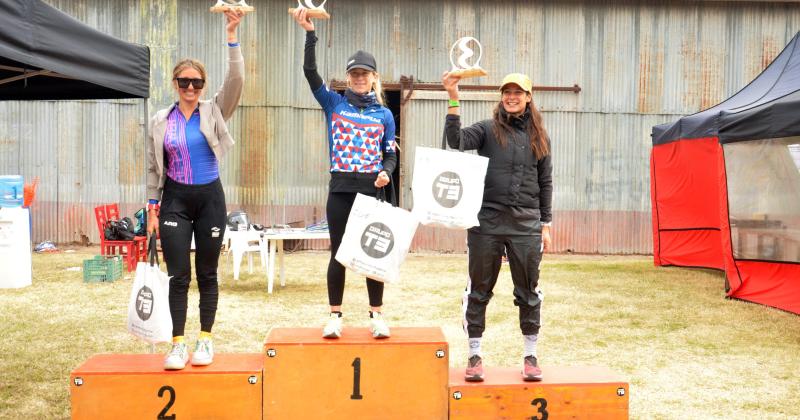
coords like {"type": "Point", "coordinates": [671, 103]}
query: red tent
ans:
{"type": "Point", "coordinates": [725, 187]}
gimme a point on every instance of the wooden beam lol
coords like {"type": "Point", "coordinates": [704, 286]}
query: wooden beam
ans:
{"type": "Point", "coordinates": [22, 70]}
{"type": "Point", "coordinates": [25, 76]}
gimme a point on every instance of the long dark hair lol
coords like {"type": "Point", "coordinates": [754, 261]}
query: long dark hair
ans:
{"type": "Point", "coordinates": [540, 143]}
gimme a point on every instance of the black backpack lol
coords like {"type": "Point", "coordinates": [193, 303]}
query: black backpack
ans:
{"type": "Point", "coordinates": [119, 230]}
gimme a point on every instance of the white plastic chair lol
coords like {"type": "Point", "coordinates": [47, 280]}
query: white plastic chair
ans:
{"type": "Point", "coordinates": [244, 242]}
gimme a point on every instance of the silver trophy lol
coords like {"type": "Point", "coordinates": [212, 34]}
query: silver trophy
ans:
{"type": "Point", "coordinates": [316, 12]}
{"type": "Point", "coordinates": [461, 66]}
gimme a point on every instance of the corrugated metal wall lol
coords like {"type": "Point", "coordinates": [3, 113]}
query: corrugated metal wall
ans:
{"type": "Point", "coordinates": [639, 63]}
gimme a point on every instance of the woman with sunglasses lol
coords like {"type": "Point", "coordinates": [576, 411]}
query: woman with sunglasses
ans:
{"type": "Point", "coordinates": [187, 141]}
{"type": "Point", "coordinates": [362, 158]}
{"type": "Point", "coordinates": [515, 215]}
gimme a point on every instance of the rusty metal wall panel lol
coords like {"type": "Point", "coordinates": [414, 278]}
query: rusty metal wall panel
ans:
{"type": "Point", "coordinates": [639, 64]}
{"type": "Point", "coordinates": [82, 160]}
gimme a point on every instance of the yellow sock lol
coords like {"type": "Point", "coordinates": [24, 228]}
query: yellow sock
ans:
{"type": "Point", "coordinates": [204, 334]}
{"type": "Point", "coordinates": [177, 339]}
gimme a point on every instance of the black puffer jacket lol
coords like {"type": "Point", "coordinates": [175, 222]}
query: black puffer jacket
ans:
{"type": "Point", "coordinates": [515, 178]}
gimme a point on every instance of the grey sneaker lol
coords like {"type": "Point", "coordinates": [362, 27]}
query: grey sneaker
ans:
{"type": "Point", "coordinates": [177, 357]}
{"type": "Point", "coordinates": [203, 352]}
{"type": "Point", "coordinates": [378, 326]}
{"type": "Point", "coordinates": [333, 328]}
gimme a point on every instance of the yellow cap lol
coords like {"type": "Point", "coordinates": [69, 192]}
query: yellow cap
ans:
{"type": "Point", "coordinates": [518, 79]}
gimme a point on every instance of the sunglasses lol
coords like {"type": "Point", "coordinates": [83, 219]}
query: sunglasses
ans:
{"type": "Point", "coordinates": [183, 82]}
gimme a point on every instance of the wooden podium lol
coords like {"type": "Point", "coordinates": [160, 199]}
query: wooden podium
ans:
{"type": "Point", "coordinates": [355, 376]}
{"type": "Point", "coordinates": [301, 375]}
{"type": "Point", "coordinates": [136, 386]}
{"type": "Point", "coordinates": [565, 392]}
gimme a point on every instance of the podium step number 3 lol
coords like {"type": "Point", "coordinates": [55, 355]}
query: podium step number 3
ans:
{"type": "Point", "coordinates": [566, 392]}
{"type": "Point", "coordinates": [136, 386]}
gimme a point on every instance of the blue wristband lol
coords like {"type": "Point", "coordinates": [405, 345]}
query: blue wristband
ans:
{"type": "Point", "coordinates": [152, 201]}
{"type": "Point", "coordinates": [233, 44]}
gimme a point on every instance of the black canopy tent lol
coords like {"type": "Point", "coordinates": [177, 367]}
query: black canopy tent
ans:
{"type": "Point", "coordinates": [46, 54]}
{"type": "Point", "coordinates": [725, 187]}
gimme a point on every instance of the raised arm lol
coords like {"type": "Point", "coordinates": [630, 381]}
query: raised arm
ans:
{"type": "Point", "coordinates": [310, 57]}
{"type": "Point", "coordinates": [469, 138]}
{"type": "Point", "coordinates": [229, 94]}
{"type": "Point", "coordinates": [324, 96]}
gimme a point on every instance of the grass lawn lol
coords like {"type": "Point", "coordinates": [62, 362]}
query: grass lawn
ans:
{"type": "Point", "coordinates": [686, 351]}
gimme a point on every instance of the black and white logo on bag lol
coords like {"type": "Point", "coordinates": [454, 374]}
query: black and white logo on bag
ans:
{"type": "Point", "coordinates": [447, 189]}
{"type": "Point", "coordinates": [144, 303]}
{"type": "Point", "coordinates": [377, 240]}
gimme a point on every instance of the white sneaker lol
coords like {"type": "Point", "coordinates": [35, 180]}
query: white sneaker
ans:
{"type": "Point", "coordinates": [378, 326]}
{"type": "Point", "coordinates": [333, 329]}
{"type": "Point", "coordinates": [177, 357]}
{"type": "Point", "coordinates": [203, 353]}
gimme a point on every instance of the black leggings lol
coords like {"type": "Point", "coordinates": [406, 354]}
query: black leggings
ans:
{"type": "Point", "coordinates": [338, 209]}
{"type": "Point", "coordinates": [187, 210]}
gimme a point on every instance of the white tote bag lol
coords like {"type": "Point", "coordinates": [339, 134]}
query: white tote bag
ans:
{"type": "Point", "coordinates": [448, 187]}
{"type": "Point", "coordinates": [148, 307]}
{"type": "Point", "coordinates": [376, 239]}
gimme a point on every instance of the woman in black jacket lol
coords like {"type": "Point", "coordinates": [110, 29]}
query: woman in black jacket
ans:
{"type": "Point", "coordinates": [515, 215]}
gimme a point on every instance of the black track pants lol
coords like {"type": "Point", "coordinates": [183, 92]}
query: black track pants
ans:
{"type": "Point", "coordinates": [187, 210]}
{"type": "Point", "coordinates": [485, 257]}
{"type": "Point", "coordinates": [338, 209]}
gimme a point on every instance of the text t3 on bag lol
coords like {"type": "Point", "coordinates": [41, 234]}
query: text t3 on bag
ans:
{"type": "Point", "coordinates": [376, 239]}
{"type": "Point", "coordinates": [448, 187]}
{"type": "Point", "coordinates": [148, 306]}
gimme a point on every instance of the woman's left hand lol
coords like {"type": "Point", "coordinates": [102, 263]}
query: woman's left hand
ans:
{"type": "Point", "coordinates": [234, 18]}
{"type": "Point", "coordinates": [382, 180]}
{"type": "Point", "coordinates": [547, 242]}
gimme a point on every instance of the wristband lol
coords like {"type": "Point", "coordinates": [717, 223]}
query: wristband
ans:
{"type": "Point", "coordinates": [453, 103]}
{"type": "Point", "coordinates": [233, 44]}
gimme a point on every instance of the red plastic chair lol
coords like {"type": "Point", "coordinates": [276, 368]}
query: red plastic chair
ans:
{"type": "Point", "coordinates": [132, 251]}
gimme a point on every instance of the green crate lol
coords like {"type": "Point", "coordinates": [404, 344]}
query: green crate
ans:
{"type": "Point", "coordinates": [102, 269]}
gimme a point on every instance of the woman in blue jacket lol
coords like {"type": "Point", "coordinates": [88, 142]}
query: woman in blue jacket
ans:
{"type": "Point", "coordinates": [361, 143]}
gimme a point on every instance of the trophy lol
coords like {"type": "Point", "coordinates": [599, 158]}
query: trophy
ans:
{"type": "Point", "coordinates": [461, 67]}
{"type": "Point", "coordinates": [223, 6]}
{"type": "Point", "coordinates": [317, 12]}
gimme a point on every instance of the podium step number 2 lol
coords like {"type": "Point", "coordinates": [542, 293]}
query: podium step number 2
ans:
{"type": "Point", "coordinates": [136, 386]}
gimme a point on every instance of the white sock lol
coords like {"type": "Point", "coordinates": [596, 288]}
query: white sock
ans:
{"type": "Point", "coordinates": [530, 345]}
{"type": "Point", "coordinates": [474, 346]}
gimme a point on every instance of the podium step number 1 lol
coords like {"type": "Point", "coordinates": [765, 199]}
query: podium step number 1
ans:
{"type": "Point", "coordinates": [355, 376]}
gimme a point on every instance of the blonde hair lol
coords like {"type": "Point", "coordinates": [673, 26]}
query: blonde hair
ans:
{"type": "Point", "coordinates": [377, 87]}
{"type": "Point", "coordinates": [189, 63]}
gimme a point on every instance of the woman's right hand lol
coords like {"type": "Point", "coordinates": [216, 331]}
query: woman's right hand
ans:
{"type": "Point", "coordinates": [152, 222]}
{"type": "Point", "coordinates": [302, 19]}
{"type": "Point", "coordinates": [450, 83]}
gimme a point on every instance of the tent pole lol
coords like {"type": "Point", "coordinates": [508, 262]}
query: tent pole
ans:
{"type": "Point", "coordinates": [144, 152]}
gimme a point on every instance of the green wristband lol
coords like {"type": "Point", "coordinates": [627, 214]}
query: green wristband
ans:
{"type": "Point", "coordinates": [453, 103]}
